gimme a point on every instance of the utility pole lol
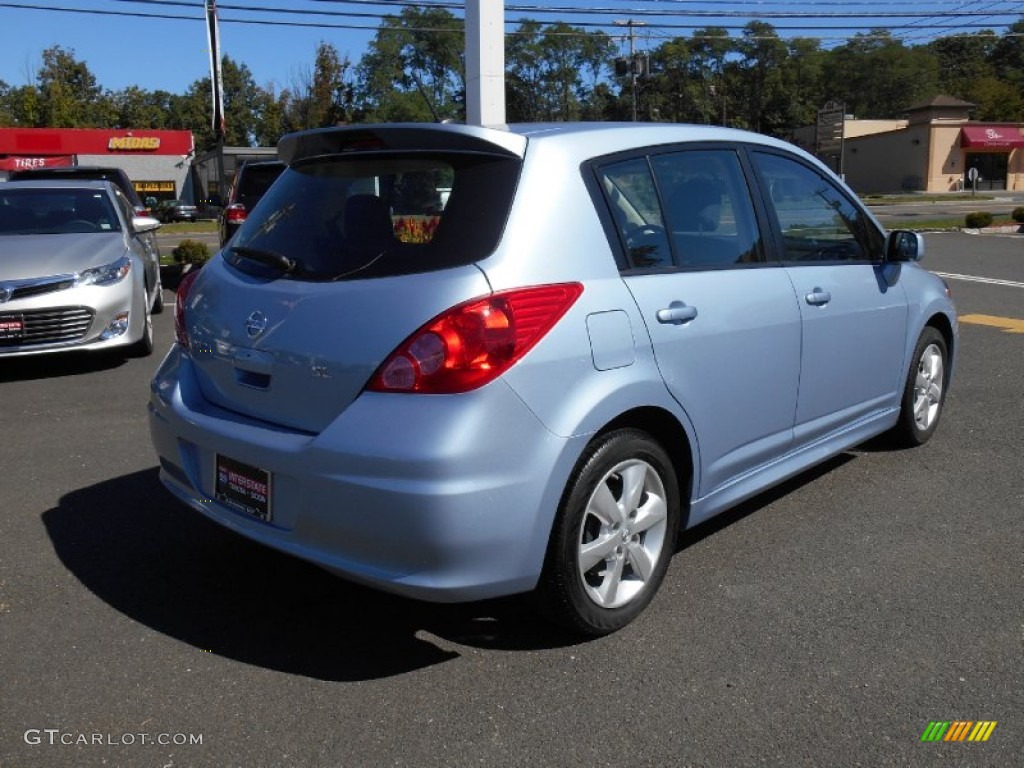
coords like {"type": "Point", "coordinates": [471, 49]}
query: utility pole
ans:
{"type": "Point", "coordinates": [485, 62]}
{"type": "Point", "coordinates": [219, 121]}
{"type": "Point", "coordinates": [632, 25]}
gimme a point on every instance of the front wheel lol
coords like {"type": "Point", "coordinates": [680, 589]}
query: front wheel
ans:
{"type": "Point", "coordinates": [924, 393]}
{"type": "Point", "coordinates": [613, 536]}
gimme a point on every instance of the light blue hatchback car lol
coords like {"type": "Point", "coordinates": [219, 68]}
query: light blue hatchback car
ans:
{"type": "Point", "coordinates": [456, 362]}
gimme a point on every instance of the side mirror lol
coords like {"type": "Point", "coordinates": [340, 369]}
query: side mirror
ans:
{"type": "Point", "coordinates": [145, 224]}
{"type": "Point", "coordinates": [901, 245]}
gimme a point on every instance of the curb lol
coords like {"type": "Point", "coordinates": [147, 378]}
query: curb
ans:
{"type": "Point", "coordinates": [1012, 229]}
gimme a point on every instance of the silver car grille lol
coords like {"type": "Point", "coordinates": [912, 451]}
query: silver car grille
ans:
{"type": "Point", "coordinates": [23, 289]}
{"type": "Point", "coordinates": [50, 326]}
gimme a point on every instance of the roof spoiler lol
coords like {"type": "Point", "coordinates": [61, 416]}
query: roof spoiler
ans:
{"type": "Point", "coordinates": [398, 136]}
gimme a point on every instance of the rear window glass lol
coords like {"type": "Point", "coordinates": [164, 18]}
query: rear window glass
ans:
{"type": "Point", "coordinates": [377, 214]}
{"type": "Point", "coordinates": [254, 181]}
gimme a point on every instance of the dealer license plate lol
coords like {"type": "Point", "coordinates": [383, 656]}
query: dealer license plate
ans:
{"type": "Point", "coordinates": [243, 487]}
{"type": "Point", "coordinates": [12, 328]}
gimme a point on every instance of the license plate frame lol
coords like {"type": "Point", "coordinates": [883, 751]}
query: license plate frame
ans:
{"type": "Point", "coordinates": [243, 487]}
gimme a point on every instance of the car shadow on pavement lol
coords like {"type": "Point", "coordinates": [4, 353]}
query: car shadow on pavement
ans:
{"type": "Point", "coordinates": [76, 363]}
{"type": "Point", "coordinates": [148, 556]}
{"type": "Point", "coordinates": [697, 534]}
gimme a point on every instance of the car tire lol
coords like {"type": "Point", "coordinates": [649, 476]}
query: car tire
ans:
{"type": "Point", "coordinates": [924, 393]}
{"type": "Point", "coordinates": [144, 346]}
{"type": "Point", "coordinates": [613, 536]}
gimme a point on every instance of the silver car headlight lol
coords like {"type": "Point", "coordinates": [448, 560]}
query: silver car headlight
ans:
{"type": "Point", "coordinates": [108, 274]}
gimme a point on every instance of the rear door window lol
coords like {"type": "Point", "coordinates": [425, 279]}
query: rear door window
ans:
{"type": "Point", "coordinates": [707, 204]}
{"type": "Point", "coordinates": [378, 214]}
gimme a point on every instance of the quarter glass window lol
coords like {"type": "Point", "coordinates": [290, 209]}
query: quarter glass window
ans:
{"type": "Point", "coordinates": [633, 199]}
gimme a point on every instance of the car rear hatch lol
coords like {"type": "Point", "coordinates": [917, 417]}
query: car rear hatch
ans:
{"type": "Point", "coordinates": [351, 251]}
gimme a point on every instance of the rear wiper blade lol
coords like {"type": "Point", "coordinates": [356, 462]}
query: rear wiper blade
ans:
{"type": "Point", "coordinates": [270, 258]}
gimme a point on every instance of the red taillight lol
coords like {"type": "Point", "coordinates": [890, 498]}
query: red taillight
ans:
{"type": "Point", "coordinates": [180, 299]}
{"type": "Point", "coordinates": [235, 213]}
{"type": "Point", "coordinates": [473, 343]}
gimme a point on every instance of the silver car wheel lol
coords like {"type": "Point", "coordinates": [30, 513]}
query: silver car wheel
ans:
{"type": "Point", "coordinates": [623, 533]}
{"type": "Point", "coordinates": [928, 387]}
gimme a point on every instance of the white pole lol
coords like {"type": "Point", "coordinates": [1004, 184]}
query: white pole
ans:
{"type": "Point", "coordinates": [485, 62]}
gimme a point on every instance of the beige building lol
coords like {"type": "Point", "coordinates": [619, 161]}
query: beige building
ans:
{"type": "Point", "coordinates": [932, 150]}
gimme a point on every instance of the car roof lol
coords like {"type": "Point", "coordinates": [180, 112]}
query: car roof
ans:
{"type": "Point", "coordinates": [59, 184]}
{"type": "Point", "coordinates": [107, 172]}
{"type": "Point", "coordinates": [579, 141]}
{"type": "Point", "coordinates": [259, 163]}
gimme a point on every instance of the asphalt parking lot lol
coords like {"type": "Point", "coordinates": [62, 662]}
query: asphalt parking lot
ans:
{"type": "Point", "coordinates": [826, 622]}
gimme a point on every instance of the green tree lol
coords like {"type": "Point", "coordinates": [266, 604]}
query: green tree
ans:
{"type": "Point", "coordinates": [711, 48]}
{"type": "Point", "coordinates": [997, 100]}
{"type": "Point", "coordinates": [803, 77]}
{"type": "Point", "coordinates": [412, 69]}
{"type": "Point", "coordinates": [330, 95]}
{"type": "Point", "coordinates": [271, 109]}
{"type": "Point", "coordinates": [961, 60]}
{"type": "Point", "coordinates": [319, 96]}
{"type": "Point", "coordinates": [877, 76]}
{"type": "Point", "coordinates": [134, 107]}
{"type": "Point", "coordinates": [240, 97]}
{"type": "Point", "coordinates": [69, 94]}
{"type": "Point", "coordinates": [553, 72]}
{"type": "Point", "coordinates": [674, 91]}
{"type": "Point", "coordinates": [1008, 56]}
{"type": "Point", "coordinates": [761, 72]}
{"type": "Point", "coordinates": [194, 110]}
{"type": "Point", "coordinates": [21, 106]}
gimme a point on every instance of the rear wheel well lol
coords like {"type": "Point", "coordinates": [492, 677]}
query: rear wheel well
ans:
{"type": "Point", "coordinates": [669, 433]}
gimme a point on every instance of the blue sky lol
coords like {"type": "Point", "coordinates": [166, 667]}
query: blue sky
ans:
{"type": "Point", "coordinates": [170, 53]}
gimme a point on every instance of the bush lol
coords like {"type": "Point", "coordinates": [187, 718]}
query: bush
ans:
{"type": "Point", "coordinates": [191, 252]}
{"type": "Point", "coordinates": [978, 219]}
{"type": "Point", "coordinates": [1018, 214]}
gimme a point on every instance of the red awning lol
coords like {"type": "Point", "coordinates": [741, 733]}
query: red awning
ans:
{"type": "Point", "coordinates": [21, 163]}
{"type": "Point", "coordinates": [991, 137]}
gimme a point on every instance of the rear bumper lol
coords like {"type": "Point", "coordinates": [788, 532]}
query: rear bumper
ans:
{"type": "Point", "coordinates": [444, 498]}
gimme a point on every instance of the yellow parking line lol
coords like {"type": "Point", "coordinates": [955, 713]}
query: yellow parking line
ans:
{"type": "Point", "coordinates": [1007, 324]}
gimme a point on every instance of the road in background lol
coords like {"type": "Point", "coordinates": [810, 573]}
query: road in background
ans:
{"type": "Point", "coordinates": [892, 214]}
{"type": "Point", "coordinates": [827, 622]}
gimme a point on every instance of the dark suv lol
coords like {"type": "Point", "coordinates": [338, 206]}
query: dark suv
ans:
{"type": "Point", "coordinates": [252, 180]}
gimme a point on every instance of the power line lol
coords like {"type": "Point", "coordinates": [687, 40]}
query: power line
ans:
{"type": "Point", "coordinates": [598, 11]}
{"type": "Point", "coordinates": [455, 29]}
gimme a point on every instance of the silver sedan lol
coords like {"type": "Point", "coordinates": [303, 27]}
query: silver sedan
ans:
{"type": "Point", "coordinates": [74, 271]}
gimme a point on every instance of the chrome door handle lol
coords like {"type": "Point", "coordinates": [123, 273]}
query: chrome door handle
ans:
{"type": "Point", "coordinates": [818, 297]}
{"type": "Point", "coordinates": [677, 313]}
